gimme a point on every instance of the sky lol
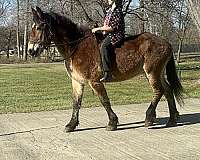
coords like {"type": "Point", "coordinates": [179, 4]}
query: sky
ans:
{"type": "Point", "coordinates": [134, 3]}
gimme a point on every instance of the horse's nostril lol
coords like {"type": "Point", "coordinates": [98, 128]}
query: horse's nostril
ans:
{"type": "Point", "coordinates": [30, 50]}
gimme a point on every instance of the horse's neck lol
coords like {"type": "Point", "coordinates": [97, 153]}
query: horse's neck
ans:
{"type": "Point", "coordinates": [65, 45]}
{"type": "Point", "coordinates": [66, 51]}
{"type": "Point", "coordinates": [63, 49]}
{"type": "Point", "coordinates": [68, 42]}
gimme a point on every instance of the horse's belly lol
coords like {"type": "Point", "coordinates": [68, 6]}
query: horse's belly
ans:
{"type": "Point", "coordinates": [129, 62]}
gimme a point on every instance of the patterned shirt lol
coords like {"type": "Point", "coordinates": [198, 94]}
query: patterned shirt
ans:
{"type": "Point", "coordinates": [115, 19]}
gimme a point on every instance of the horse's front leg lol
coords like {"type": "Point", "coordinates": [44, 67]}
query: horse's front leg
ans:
{"type": "Point", "coordinates": [100, 90]}
{"type": "Point", "coordinates": [77, 93]}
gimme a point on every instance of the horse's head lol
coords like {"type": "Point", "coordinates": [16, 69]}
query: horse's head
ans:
{"type": "Point", "coordinates": [41, 34]}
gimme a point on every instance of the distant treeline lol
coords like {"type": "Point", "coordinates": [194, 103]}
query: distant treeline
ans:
{"type": "Point", "coordinates": [187, 48]}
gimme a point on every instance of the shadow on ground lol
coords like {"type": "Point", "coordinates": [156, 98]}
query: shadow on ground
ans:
{"type": "Point", "coordinates": [184, 120]}
{"type": "Point", "coordinates": [124, 124]}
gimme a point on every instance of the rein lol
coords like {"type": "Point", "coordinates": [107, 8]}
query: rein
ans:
{"type": "Point", "coordinates": [70, 43]}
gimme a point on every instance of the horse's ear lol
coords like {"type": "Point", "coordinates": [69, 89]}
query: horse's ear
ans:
{"type": "Point", "coordinates": [40, 13]}
{"type": "Point", "coordinates": [33, 11]}
{"type": "Point", "coordinates": [35, 15]}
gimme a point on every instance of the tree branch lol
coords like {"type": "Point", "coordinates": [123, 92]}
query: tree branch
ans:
{"type": "Point", "coordinates": [127, 7]}
{"type": "Point", "coordinates": [86, 14]}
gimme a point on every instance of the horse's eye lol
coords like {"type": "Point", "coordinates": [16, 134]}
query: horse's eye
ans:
{"type": "Point", "coordinates": [38, 28]}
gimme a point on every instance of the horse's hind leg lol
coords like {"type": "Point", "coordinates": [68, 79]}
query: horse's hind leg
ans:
{"type": "Point", "coordinates": [77, 93]}
{"type": "Point", "coordinates": [100, 90]}
{"type": "Point", "coordinates": [174, 114]}
{"type": "Point", "coordinates": [158, 91]}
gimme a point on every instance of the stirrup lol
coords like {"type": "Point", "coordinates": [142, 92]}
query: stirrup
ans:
{"type": "Point", "coordinates": [107, 77]}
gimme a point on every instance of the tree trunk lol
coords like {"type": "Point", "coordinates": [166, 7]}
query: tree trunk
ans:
{"type": "Point", "coordinates": [142, 25]}
{"type": "Point", "coordinates": [71, 8]}
{"type": "Point", "coordinates": [194, 8]}
{"type": "Point", "coordinates": [18, 36]}
{"type": "Point", "coordinates": [183, 27]}
{"type": "Point", "coordinates": [9, 39]}
{"type": "Point", "coordinates": [179, 50]}
{"type": "Point", "coordinates": [181, 37]}
{"type": "Point", "coordinates": [26, 31]}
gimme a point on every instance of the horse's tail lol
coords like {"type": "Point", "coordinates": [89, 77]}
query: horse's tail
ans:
{"type": "Point", "coordinates": [174, 81]}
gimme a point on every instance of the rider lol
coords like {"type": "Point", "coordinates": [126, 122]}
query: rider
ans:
{"type": "Point", "coordinates": [114, 29]}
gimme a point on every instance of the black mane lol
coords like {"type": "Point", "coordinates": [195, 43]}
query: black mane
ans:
{"type": "Point", "coordinates": [70, 29]}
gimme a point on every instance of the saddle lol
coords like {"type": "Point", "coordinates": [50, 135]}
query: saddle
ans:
{"type": "Point", "coordinates": [100, 37]}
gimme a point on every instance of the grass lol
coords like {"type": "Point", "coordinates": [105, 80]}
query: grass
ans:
{"type": "Point", "coordinates": [39, 87]}
{"type": "Point", "coordinates": [191, 79]}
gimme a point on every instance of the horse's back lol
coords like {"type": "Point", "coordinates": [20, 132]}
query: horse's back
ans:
{"type": "Point", "coordinates": [139, 50]}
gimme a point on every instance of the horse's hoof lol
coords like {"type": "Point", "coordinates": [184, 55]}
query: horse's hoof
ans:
{"type": "Point", "coordinates": [112, 125]}
{"type": "Point", "coordinates": [151, 122]}
{"type": "Point", "coordinates": [171, 124]}
{"type": "Point", "coordinates": [177, 116]}
{"type": "Point", "coordinates": [147, 124]}
{"type": "Point", "coordinates": [111, 128]}
{"type": "Point", "coordinates": [69, 129]}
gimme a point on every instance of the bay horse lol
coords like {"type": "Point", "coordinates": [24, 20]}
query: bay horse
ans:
{"type": "Point", "coordinates": [143, 53]}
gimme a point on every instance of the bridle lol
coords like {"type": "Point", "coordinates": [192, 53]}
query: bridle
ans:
{"type": "Point", "coordinates": [44, 36]}
{"type": "Point", "coordinates": [50, 34]}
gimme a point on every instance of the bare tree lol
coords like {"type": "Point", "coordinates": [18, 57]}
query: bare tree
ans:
{"type": "Point", "coordinates": [9, 40]}
{"type": "Point", "coordinates": [182, 27]}
{"type": "Point", "coordinates": [18, 31]}
{"type": "Point", "coordinates": [195, 11]}
{"type": "Point", "coordinates": [4, 4]}
{"type": "Point", "coordinates": [4, 9]}
{"type": "Point", "coordinates": [26, 31]}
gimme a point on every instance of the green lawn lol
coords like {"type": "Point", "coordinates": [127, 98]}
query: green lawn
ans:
{"type": "Point", "coordinates": [38, 87]}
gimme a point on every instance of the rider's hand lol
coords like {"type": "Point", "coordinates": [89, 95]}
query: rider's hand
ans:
{"type": "Point", "coordinates": [94, 30]}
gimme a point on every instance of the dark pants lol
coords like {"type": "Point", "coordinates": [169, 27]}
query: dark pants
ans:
{"type": "Point", "coordinates": [106, 48]}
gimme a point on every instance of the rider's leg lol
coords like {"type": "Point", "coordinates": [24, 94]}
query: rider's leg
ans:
{"type": "Point", "coordinates": [105, 49]}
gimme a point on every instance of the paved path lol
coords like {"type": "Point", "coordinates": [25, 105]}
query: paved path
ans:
{"type": "Point", "coordinates": [40, 136]}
